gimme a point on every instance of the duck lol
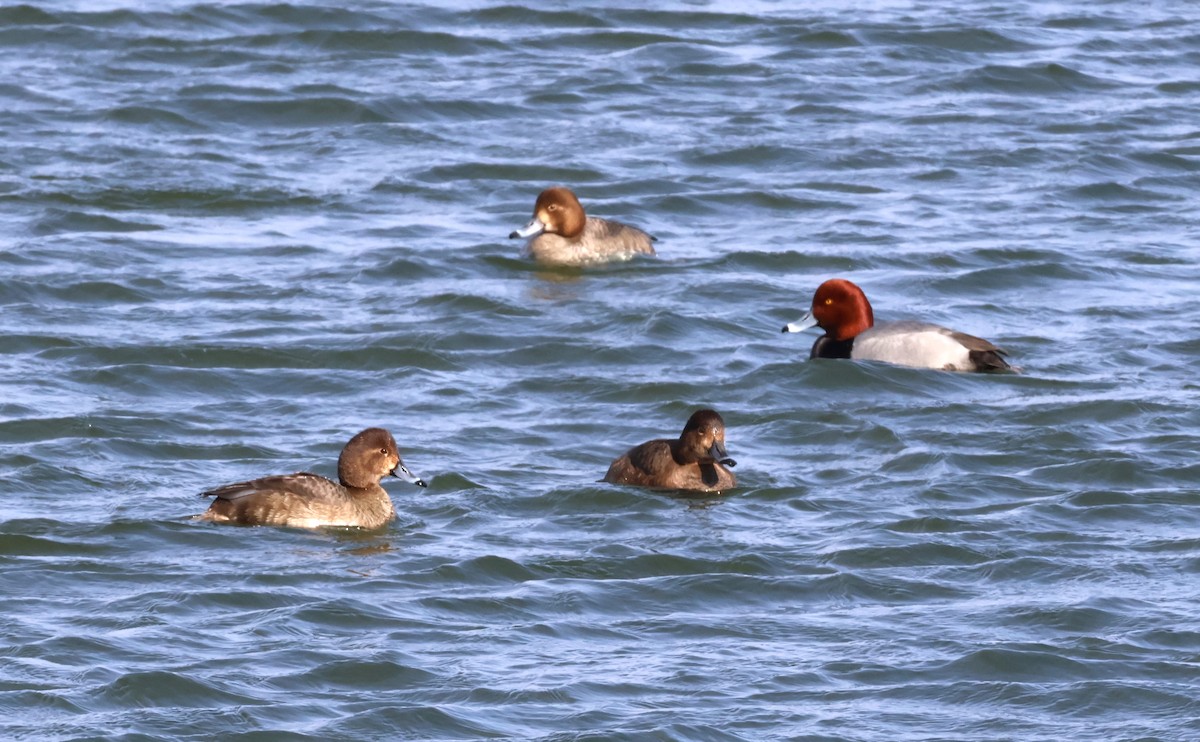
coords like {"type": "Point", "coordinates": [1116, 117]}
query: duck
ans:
{"type": "Point", "coordinates": [696, 461]}
{"type": "Point", "coordinates": [841, 309]}
{"type": "Point", "coordinates": [561, 234]}
{"type": "Point", "coordinates": [306, 500]}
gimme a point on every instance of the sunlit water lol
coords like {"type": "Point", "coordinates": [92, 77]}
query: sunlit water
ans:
{"type": "Point", "coordinates": [235, 234]}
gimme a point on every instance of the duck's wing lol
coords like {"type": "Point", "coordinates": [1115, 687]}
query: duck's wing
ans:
{"type": "Point", "coordinates": [986, 355]}
{"type": "Point", "coordinates": [302, 484]}
{"type": "Point", "coordinates": [620, 237]}
{"type": "Point", "coordinates": [970, 342]}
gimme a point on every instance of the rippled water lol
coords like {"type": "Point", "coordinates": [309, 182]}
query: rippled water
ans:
{"type": "Point", "coordinates": [235, 234]}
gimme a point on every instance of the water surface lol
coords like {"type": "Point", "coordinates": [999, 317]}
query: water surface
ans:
{"type": "Point", "coordinates": [234, 234]}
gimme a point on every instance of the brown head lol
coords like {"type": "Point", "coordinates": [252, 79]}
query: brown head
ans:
{"type": "Point", "coordinates": [557, 211]}
{"type": "Point", "coordinates": [703, 439]}
{"type": "Point", "coordinates": [370, 456]}
{"type": "Point", "coordinates": [841, 309]}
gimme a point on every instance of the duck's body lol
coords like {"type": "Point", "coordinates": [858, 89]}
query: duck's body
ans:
{"type": "Point", "coordinates": [694, 461]}
{"type": "Point", "coordinates": [561, 234]}
{"type": "Point", "coordinates": [305, 500]}
{"type": "Point", "coordinates": [841, 309]}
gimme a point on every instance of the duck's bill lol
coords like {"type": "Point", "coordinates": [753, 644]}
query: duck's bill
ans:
{"type": "Point", "coordinates": [802, 324]}
{"type": "Point", "coordinates": [533, 227]}
{"type": "Point", "coordinates": [402, 472]}
{"type": "Point", "coordinates": [718, 453]}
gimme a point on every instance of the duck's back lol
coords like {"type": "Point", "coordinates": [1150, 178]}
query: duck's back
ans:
{"type": "Point", "coordinates": [301, 500]}
{"type": "Point", "coordinates": [926, 345]}
{"type": "Point", "coordinates": [600, 241]}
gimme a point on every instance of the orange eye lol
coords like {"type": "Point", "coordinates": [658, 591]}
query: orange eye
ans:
{"type": "Point", "coordinates": [828, 302]}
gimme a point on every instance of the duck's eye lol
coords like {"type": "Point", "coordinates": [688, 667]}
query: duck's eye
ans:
{"type": "Point", "coordinates": [828, 302]}
{"type": "Point", "coordinates": [552, 207]}
{"type": "Point", "coordinates": [383, 451]}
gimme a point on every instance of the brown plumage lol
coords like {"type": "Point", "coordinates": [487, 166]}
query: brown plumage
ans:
{"type": "Point", "coordinates": [304, 500]}
{"type": "Point", "coordinates": [694, 461]}
{"type": "Point", "coordinates": [560, 233]}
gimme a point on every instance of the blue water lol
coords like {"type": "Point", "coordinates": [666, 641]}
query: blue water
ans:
{"type": "Point", "coordinates": [235, 234]}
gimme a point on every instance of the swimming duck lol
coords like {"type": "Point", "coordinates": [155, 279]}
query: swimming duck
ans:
{"type": "Point", "coordinates": [695, 461]}
{"type": "Point", "coordinates": [560, 233]}
{"type": "Point", "coordinates": [841, 309]}
{"type": "Point", "coordinates": [304, 500]}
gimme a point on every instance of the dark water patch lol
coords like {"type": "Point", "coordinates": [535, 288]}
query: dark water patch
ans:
{"type": "Point", "coordinates": [414, 721]}
{"type": "Point", "coordinates": [824, 112]}
{"type": "Point", "coordinates": [169, 197]}
{"type": "Point", "coordinates": [722, 20]}
{"type": "Point", "coordinates": [419, 109]}
{"type": "Point", "coordinates": [29, 545]}
{"type": "Point", "coordinates": [1029, 665]}
{"type": "Point", "coordinates": [286, 114]}
{"type": "Point", "coordinates": [797, 42]}
{"type": "Point", "coordinates": [1032, 570]}
{"type": "Point", "coordinates": [300, 16]}
{"type": "Point", "coordinates": [1125, 498]}
{"type": "Point", "coordinates": [557, 99]}
{"type": "Point", "coordinates": [1179, 87]}
{"type": "Point", "coordinates": [600, 91]}
{"type": "Point", "coordinates": [162, 688]}
{"type": "Point", "coordinates": [766, 200]}
{"type": "Point", "coordinates": [355, 675]}
{"type": "Point", "coordinates": [868, 158]}
{"type": "Point", "coordinates": [773, 156]}
{"type": "Point", "coordinates": [1020, 82]}
{"type": "Point", "coordinates": [389, 43]}
{"type": "Point", "coordinates": [1114, 468]}
{"type": "Point", "coordinates": [524, 17]}
{"type": "Point", "coordinates": [467, 304]}
{"type": "Point", "coordinates": [227, 91]}
{"type": "Point", "coordinates": [31, 344]}
{"type": "Point", "coordinates": [140, 61]}
{"type": "Point", "coordinates": [1015, 276]}
{"type": "Point", "coordinates": [926, 44]}
{"type": "Point", "coordinates": [27, 15]}
{"type": "Point", "coordinates": [907, 556]}
{"type": "Point", "coordinates": [849, 188]}
{"type": "Point", "coordinates": [933, 524]}
{"type": "Point", "coordinates": [845, 588]}
{"type": "Point", "coordinates": [509, 171]}
{"type": "Point", "coordinates": [1169, 638]}
{"type": "Point", "coordinates": [641, 566]}
{"type": "Point", "coordinates": [1092, 21]}
{"type": "Point", "coordinates": [142, 365]}
{"type": "Point", "coordinates": [60, 221]}
{"type": "Point", "coordinates": [1110, 192]}
{"type": "Point", "coordinates": [23, 703]}
{"type": "Point", "coordinates": [485, 570]}
{"type": "Point", "coordinates": [159, 118]}
{"type": "Point", "coordinates": [747, 71]}
{"type": "Point", "coordinates": [95, 293]}
{"type": "Point", "coordinates": [12, 92]}
{"type": "Point", "coordinates": [1069, 619]}
{"type": "Point", "coordinates": [611, 40]}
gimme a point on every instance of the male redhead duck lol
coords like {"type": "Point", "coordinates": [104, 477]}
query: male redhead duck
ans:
{"type": "Point", "coordinates": [304, 500]}
{"type": "Point", "coordinates": [695, 461]}
{"type": "Point", "coordinates": [561, 234]}
{"type": "Point", "coordinates": [841, 309]}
